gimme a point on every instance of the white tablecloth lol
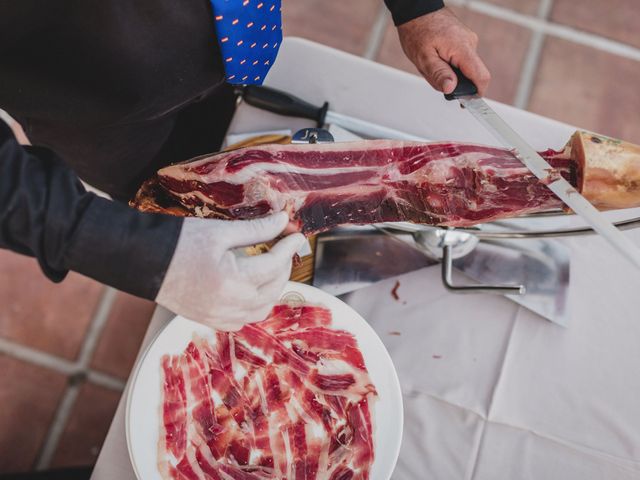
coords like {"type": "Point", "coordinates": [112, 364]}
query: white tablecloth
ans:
{"type": "Point", "coordinates": [491, 391]}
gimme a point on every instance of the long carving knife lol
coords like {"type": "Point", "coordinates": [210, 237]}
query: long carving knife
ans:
{"type": "Point", "coordinates": [467, 94]}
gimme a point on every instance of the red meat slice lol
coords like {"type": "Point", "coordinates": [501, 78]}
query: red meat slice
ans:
{"type": "Point", "coordinates": [174, 413]}
{"type": "Point", "coordinates": [287, 398]}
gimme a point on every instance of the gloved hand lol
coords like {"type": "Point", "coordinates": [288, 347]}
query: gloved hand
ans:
{"type": "Point", "coordinates": [207, 282]}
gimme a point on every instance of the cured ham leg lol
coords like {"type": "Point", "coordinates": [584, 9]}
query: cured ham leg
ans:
{"type": "Point", "coordinates": [453, 184]}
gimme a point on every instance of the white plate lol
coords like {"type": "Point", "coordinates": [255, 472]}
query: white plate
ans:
{"type": "Point", "coordinates": [143, 412]}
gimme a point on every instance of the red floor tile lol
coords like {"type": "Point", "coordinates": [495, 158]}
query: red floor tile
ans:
{"type": "Point", "coordinates": [529, 7]}
{"type": "Point", "coordinates": [588, 88]}
{"type": "Point", "coordinates": [616, 19]}
{"type": "Point", "coordinates": [340, 24]}
{"type": "Point", "coordinates": [41, 314]}
{"type": "Point", "coordinates": [87, 427]}
{"type": "Point", "coordinates": [122, 336]}
{"type": "Point", "coordinates": [391, 53]}
{"type": "Point", "coordinates": [503, 47]}
{"type": "Point", "coordinates": [29, 397]}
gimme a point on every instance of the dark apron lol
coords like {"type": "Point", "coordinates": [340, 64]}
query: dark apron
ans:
{"type": "Point", "coordinates": [117, 89]}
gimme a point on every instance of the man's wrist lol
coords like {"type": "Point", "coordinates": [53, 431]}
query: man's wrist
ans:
{"type": "Point", "coordinates": [404, 11]}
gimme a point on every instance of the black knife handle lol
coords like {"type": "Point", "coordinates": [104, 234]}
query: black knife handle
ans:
{"type": "Point", "coordinates": [283, 103]}
{"type": "Point", "coordinates": [464, 88]}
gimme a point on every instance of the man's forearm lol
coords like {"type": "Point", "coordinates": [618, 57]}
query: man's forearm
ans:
{"type": "Point", "coordinates": [45, 212]}
{"type": "Point", "coordinates": [403, 11]}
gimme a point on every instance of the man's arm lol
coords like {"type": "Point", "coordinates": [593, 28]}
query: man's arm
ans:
{"type": "Point", "coordinates": [433, 38]}
{"type": "Point", "coordinates": [45, 212]}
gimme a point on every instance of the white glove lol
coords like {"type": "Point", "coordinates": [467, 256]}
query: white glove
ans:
{"type": "Point", "coordinates": [207, 282]}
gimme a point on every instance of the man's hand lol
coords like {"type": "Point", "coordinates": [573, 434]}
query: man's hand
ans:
{"type": "Point", "coordinates": [435, 41]}
{"type": "Point", "coordinates": [207, 282]}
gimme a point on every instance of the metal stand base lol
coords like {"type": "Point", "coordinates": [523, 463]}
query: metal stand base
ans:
{"type": "Point", "coordinates": [542, 267]}
{"type": "Point", "coordinates": [351, 258]}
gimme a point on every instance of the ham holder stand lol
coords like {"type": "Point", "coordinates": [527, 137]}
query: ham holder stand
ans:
{"type": "Point", "coordinates": [526, 266]}
{"type": "Point", "coordinates": [514, 258]}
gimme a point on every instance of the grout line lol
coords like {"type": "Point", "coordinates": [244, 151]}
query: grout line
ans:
{"type": "Point", "coordinates": [544, 9]}
{"type": "Point", "coordinates": [106, 381]}
{"type": "Point", "coordinates": [377, 34]}
{"type": "Point", "coordinates": [532, 60]}
{"type": "Point", "coordinates": [57, 364]}
{"type": "Point", "coordinates": [594, 41]}
{"type": "Point", "coordinates": [529, 70]}
{"type": "Point", "coordinates": [553, 29]}
{"type": "Point", "coordinates": [36, 357]}
{"type": "Point", "coordinates": [70, 396]}
{"type": "Point", "coordinates": [96, 326]}
{"type": "Point", "coordinates": [57, 425]}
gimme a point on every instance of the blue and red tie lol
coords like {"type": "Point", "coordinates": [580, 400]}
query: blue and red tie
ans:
{"type": "Point", "coordinates": [249, 33]}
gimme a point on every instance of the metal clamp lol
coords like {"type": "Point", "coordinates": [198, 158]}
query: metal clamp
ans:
{"type": "Point", "coordinates": [312, 135]}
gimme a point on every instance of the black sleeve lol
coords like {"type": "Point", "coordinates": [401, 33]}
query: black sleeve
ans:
{"type": "Point", "coordinates": [404, 10]}
{"type": "Point", "coordinates": [45, 212]}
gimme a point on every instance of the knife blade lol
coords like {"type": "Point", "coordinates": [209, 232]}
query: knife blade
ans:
{"type": "Point", "coordinates": [467, 94]}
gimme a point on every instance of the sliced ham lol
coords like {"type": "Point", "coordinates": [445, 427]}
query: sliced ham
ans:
{"type": "Point", "coordinates": [287, 398]}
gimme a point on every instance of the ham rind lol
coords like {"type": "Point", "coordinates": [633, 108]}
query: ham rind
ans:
{"type": "Point", "coordinates": [322, 186]}
{"type": "Point", "coordinates": [287, 398]}
{"type": "Point", "coordinates": [609, 170]}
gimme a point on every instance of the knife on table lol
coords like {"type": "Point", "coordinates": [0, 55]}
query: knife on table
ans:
{"type": "Point", "coordinates": [467, 94]}
{"type": "Point", "coordinates": [284, 103]}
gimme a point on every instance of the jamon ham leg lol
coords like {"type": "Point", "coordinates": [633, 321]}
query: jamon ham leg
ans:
{"type": "Point", "coordinates": [454, 184]}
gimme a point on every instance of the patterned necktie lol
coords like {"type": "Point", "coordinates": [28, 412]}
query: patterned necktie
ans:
{"type": "Point", "coordinates": [249, 33]}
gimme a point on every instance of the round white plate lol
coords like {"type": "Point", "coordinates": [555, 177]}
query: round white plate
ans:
{"type": "Point", "coordinates": [143, 412]}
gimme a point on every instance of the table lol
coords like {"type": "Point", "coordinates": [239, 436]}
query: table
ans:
{"type": "Point", "coordinates": [490, 389]}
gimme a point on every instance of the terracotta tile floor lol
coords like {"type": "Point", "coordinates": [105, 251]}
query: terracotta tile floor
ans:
{"type": "Point", "coordinates": [529, 7]}
{"type": "Point", "coordinates": [29, 396]}
{"type": "Point", "coordinates": [87, 426]}
{"type": "Point", "coordinates": [615, 19]}
{"type": "Point", "coordinates": [341, 24]}
{"type": "Point", "coordinates": [607, 102]}
{"type": "Point", "coordinates": [118, 345]}
{"type": "Point", "coordinates": [580, 84]}
{"type": "Point", "coordinates": [43, 315]}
